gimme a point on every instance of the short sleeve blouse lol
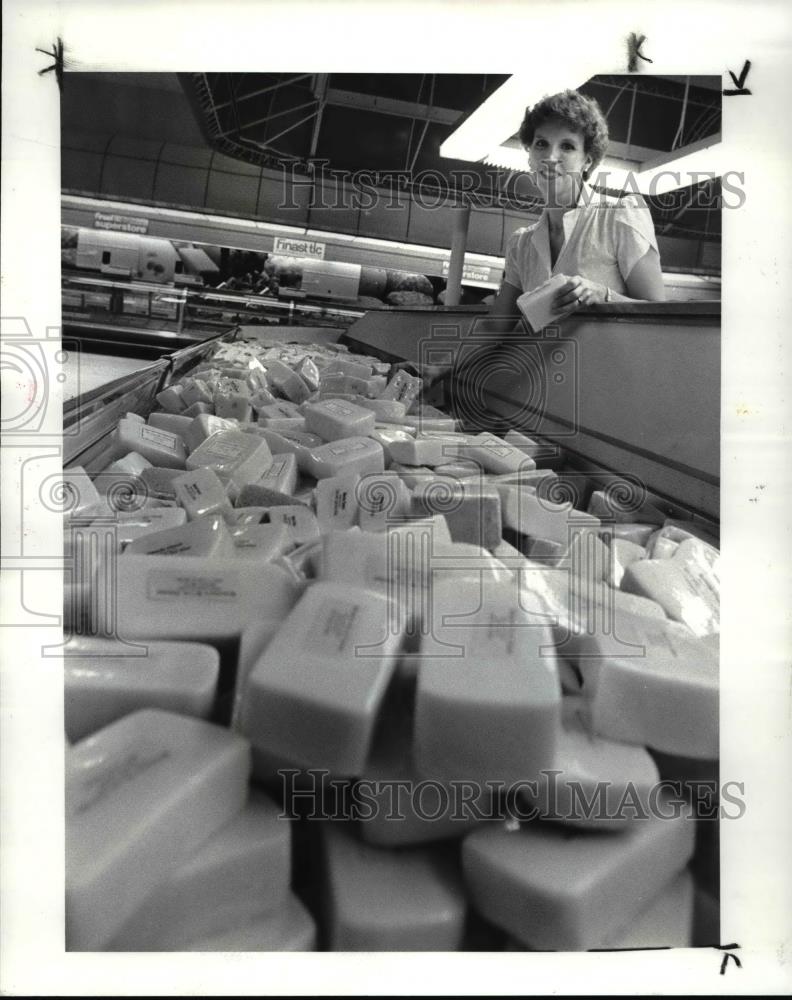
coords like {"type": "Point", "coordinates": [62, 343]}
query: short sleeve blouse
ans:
{"type": "Point", "coordinates": [604, 240]}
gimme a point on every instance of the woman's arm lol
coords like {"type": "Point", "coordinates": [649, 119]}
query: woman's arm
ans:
{"type": "Point", "coordinates": [503, 313]}
{"type": "Point", "coordinates": [644, 284]}
{"type": "Point", "coordinates": [645, 281]}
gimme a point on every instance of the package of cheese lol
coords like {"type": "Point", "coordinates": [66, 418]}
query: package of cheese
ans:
{"type": "Point", "coordinates": [666, 922]}
{"type": "Point", "coordinates": [381, 900]}
{"type": "Point", "coordinates": [593, 782]}
{"type": "Point", "coordinates": [206, 600]}
{"type": "Point", "coordinates": [314, 695]}
{"type": "Point", "coordinates": [333, 419]}
{"type": "Point", "coordinates": [141, 795]}
{"type": "Point", "coordinates": [398, 808]}
{"type": "Point", "coordinates": [660, 689]}
{"type": "Point", "coordinates": [488, 704]}
{"type": "Point", "coordinates": [687, 585]}
{"type": "Point", "coordinates": [567, 890]}
{"type": "Point", "coordinates": [105, 679]}
{"type": "Point", "coordinates": [205, 536]}
{"type": "Point", "coordinates": [238, 874]}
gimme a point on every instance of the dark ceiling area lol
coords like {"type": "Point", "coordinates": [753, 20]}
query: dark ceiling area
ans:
{"type": "Point", "coordinates": [397, 122]}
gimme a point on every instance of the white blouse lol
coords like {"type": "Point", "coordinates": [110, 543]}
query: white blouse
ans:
{"type": "Point", "coordinates": [604, 238]}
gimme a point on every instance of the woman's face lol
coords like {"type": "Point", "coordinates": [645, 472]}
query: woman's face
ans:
{"type": "Point", "coordinates": [557, 159]}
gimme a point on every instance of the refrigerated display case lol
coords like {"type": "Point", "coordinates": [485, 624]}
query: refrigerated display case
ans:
{"type": "Point", "coordinates": [638, 404]}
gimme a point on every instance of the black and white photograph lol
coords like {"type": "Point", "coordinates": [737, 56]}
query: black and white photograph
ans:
{"type": "Point", "coordinates": [390, 402]}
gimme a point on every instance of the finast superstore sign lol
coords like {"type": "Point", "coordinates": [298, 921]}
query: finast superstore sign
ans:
{"type": "Point", "coordinates": [298, 248]}
{"type": "Point", "coordinates": [120, 223]}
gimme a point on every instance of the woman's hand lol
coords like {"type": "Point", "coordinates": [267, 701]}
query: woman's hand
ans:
{"type": "Point", "coordinates": [577, 292]}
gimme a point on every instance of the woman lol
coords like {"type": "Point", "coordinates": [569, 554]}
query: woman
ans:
{"type": "Point", "coordinates": [606, 246]}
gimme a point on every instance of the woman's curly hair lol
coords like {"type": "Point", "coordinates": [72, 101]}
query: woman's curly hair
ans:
{"type": "Point", "coordinates": [577, 112]}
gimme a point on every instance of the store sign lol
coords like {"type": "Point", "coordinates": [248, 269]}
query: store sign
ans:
{"type": "Point", "coordinates": [120, 223]}
{"type": "Point", "coordinates": [298, 248]}
{"type": "Point", "coordinates": [471, 273]}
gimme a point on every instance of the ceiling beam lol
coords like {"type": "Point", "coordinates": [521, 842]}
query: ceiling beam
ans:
{"type": "Point", "coordinates": [391, 106]}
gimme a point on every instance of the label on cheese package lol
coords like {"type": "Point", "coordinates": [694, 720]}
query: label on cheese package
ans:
{"type": "Point", "coordinates": [313, 696]}
{"type": "Point", "coordinates": [165, 439]}
{"type": "Point", "coordinates": [166, 585]}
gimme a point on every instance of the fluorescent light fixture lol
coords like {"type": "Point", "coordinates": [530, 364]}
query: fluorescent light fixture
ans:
{"type": "Point", "coordinates": [500, 115]}
{"type": "Point", "coordinates": [484, 137]}
{"type": "Point", "coordinates": [668, 171]}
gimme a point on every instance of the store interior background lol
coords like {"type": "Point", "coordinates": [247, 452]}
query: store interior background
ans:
{"type": "Point", "coordinates": [209, 142]}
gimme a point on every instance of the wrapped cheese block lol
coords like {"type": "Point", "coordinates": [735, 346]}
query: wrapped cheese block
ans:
{"type": "Point", "coordinates": [204, 426]}
{"type": "Point", "coordinates": [198, 409]}
{"type": "Point", "coordinates": [472, 510]}
{"type": "Point", "coordinates": [667, 922]}
{"type": "Point", "coordinates": [209, 600]}
{"type": "Point", "coordinates": [141, 796]}
{"type": "Point", "coordinates": [286, 381]}
{"type": "Point", "coordinates": [528, 514]}
{"type": "Point", "coordinates": [80, 496]}
{"type": "Point", "coordinates": [495, 455]}
{"type": "Point", "coordinates": [158, 483]}
{"type": "Point", "coordinates": [195, 390]}
{"type": "Point", "coordinates": [170, 399]}
{"type": "Point", "coordinates": [623, 552]}
{"type": "Point", "coordinates": [284, 423]}
{"type": "Point", "coordinates": [176, 423]}
{"type": "Point", "coordinates": [525, 444]}
{"type": "Point", "coordinates": [429, 448]}
{"type": "Point", "coordinates": [262, 542]}
{"type": "Point", "coordinates": [300, 522]}
{"type": "Point", "coordinates": [402, 387]}
{"type": "Point", "coordinates": [282, 408]}
{"type": "Point", "coordinates": [488, 703]}
{"type": "Point", "coordinates": [131, 464]}
{"type": "Point", "coordinates": [398, 807]}
{"type": "Point", "coordinates": [354, 454]}
{"type": "Point", "coordinates": [205, 536]}
{"type": "Point", "coordinates": [236, 457]}
{"type": "Point", "coordinates": [383, 500]}
{"type": "Point", "coordinates": [378, 900]}
{"type": "Point", "coordinates": [281, 475]}
{"type": "Point", "coordinates": [336, 502]}
{"type": "Point", "coordinates": [200, 492]}
{"type": "Point", "coordinates": [687, 585]}
{"type": "Point", "coordinates": [238, 874]}
{"type": "Point", "coordinates": [157, 446]}
{"type": "Point", "coordinates": [624, 504]}
{"type": "Point", "coordinates": [134, 524]}
{"type": "Point", "coordinates": [661, 690]}
{"type": "Point", "coordinates": [105, 680]}
{"type": "Point", "coordinates": [594, 782]}
{"type": "Point", "coordinates": [332, 419]}
{"type": "Point", "coordinates": [558, 889]}
{"type": "Point", "coordinates": [313, 696]}
{"type": "Point", "coordinates": [386, 436]}
{"type": "Point", "coordinates": [384, 409]}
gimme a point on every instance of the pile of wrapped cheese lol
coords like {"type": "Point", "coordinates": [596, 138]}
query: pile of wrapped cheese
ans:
{"type": "Point", "coordinates": [294, 579]}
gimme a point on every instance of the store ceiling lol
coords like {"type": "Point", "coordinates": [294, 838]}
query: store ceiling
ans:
{"type": "Point", "coordinates": [397, 122]}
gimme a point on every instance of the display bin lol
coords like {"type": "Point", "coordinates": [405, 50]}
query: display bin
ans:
{"type": "Point", "coordinates": [643, 406]}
